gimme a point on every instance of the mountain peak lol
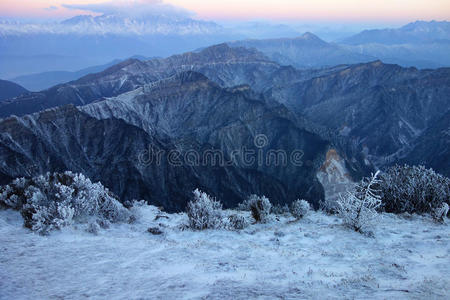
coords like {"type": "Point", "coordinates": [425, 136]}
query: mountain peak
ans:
{"type": "Point", "coordinates": [310, 36]}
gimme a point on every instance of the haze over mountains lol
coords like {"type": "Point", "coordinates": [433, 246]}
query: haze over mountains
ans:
{"type": "Point", "coordinates": [97, 40]}
{"type": "Point", "coordinates": [101, 39]}
{"type": "Point", "coordinates": [420, 44]}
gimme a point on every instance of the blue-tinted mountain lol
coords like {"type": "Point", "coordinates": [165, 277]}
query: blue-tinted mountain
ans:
{"type": "Point", "coordinates": [10, 89]}
{"type": "Point", "coordinates": [419, 44]}
{"type": "Point", "coordinates": [306, 51]}
{"type": "Point", "coordinates": [41, 81]}
{"type": "Point", "coordinates": [412, 33]}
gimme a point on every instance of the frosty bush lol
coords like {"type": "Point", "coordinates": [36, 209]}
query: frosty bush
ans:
{"type": "Point", "coordinates": [237, 222]}
{"type": "Point", "coordinates": [204, 212]}
{"type": "Point", "coordinates": [413, 189]}
{"type": "Point", "coordinates": [300, 208]}
{"type": "Point", "coordinates": [358, 209]}
{"type": "Point", "coordinates": [56, 200]}
{"type": "Point", "coordinates": [259, 206]}
{"type": "Point", "coordinates": [279, 209]}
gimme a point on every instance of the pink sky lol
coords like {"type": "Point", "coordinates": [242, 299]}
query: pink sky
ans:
{"type": "Point", "coordinates": [330, 10]}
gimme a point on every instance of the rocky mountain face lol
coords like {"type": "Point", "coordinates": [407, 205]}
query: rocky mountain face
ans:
{"type": "Point", "coordinates": [380, 109]}
{"type": "Point", "coordinates": [10, 89]}
{"type": "Point", "coordinates": [117, 141]}
{"type": "Point", "coordinates": [306, 51]}
{"type": "Point", "coordinates": [215, 62]}
{"type": "Point", "coordinates": [432, 147]}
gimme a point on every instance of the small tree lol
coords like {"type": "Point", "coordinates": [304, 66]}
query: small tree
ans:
{"type": "Point", "coordinates": [440, 212]}
{"type": "Point", "coordinates": [204, 212]}
{"type": "Point", "coordinates": [259, 207]}
{"type": "Point", "coordinates": [300, 208]}
{"type": "Point", "coordinates": [358, 209]}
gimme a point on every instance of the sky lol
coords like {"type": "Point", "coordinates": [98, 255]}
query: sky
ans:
{"type": "Point", "coordinates": [276, 10]}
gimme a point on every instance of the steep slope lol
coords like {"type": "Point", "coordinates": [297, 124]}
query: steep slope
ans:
{"type": "Point", "coordinates": [186, 119]}
{"type": "Point", "coordinates": [378, 108]}
{"type": "Point", "coordinates": [306, 51]}
{"type": "Point", "coordinates": [10, 89]}
{"type": "Point", "coordinates": [432, 148]}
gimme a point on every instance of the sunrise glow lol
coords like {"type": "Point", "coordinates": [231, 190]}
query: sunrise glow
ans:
{"type": "Point", "coordinates": [349, 10]}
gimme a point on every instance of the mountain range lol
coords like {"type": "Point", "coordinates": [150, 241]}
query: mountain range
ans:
{"type": "Point", "coordinates": [361, 116]}
{"type": "Point", "coordinates": [419, 44]}
{"type": "Point", "coordinates": [104, 38]}
{"type": "Point", "coordinates": [305, 51]}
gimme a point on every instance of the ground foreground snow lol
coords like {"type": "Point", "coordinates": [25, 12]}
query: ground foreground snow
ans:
{"type": "Point", "coordinates": [312, 258]}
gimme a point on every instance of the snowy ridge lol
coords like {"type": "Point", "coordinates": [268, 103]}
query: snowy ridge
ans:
{"type": "Point", "coordinates": [113, 24]}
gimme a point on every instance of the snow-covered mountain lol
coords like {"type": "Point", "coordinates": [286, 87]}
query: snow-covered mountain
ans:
{"type": "Point", "coordinates": [95, 40]}
{"type": "Point", "coordinates": [113, 24]}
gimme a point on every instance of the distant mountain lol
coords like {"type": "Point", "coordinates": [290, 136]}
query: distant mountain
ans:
{"type": "Point", "coordinates": [412, 33]}
{"type": "Point", "coordinates": [10, 89]}
{"type": "Point", "coordinates": [41, 81]}
{"type": "Point", "coordinates": [306, 51]}
{"type": "Point", "coordinates": [114, 24]}
{"type": "Point", "coordinates": [419, 44]}
{"type": "Point", "coordinates": [97, 40]}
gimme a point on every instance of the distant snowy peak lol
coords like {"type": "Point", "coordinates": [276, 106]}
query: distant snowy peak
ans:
{"type": "Point", "coordinates": [416, 32]}
{"type": "Point", "coordinates": [115, 24]}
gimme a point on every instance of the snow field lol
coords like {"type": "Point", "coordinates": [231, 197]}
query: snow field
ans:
{"type": "Point", "coordinates": [315, 257]}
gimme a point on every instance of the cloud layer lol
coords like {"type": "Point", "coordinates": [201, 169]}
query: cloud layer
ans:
{"type": "Point", "coordinates": [134, 8]}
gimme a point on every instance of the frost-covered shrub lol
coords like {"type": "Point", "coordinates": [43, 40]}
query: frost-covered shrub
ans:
{"type": "Point", "coordinates": [56, 200]}
{"type": "Point", "coordinates": [358, 209]}
{"type": "Point", "coordinates": [237, 222]}
{"type": "Point", "coordinates": [259, 206]}
{"type": "Point", "coordinates": [413, 189]}
{"type": "Point", "coordinates": [278, 209]}
{"type": "Point", "coordinates": [204, 212]}
{"type": "Point", "coordinates": [300, 208]}
{"type": "Point", "coordinates": [93, 228]}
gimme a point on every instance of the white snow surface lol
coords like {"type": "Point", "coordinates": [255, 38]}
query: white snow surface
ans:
{"type": "Point", "coordinates": [314, 258]}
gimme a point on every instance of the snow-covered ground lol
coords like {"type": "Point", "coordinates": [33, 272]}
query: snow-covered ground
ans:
{"type": "Point", "coordinates": [312, 258]}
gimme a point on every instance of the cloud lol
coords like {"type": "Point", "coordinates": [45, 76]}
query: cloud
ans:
{"type": "Point", "coordinates": [133, 8]}
{"type": "Point", "coordinates": [51, 8]}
